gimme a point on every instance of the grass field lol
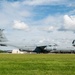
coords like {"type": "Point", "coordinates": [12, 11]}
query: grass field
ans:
{"type": "Point", "coordinates": [37, 64]}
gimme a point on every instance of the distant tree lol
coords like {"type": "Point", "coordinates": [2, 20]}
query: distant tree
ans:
{"type": "Point", "coordinates": [1, 51]}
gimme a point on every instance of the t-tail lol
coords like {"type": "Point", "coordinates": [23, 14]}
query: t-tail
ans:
{"type": "Point", "coordinates": [73, 43]}
{"type": "Point", "coordinates": [2, 37]}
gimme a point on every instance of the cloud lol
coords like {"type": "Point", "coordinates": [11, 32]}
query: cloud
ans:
{"type": "Point", "coordinates": [69, 22]}
{"type": "Point", "coordinates": [50, 23]}
{"type": "Point", "coordinates": [21, 10]}
{"type": "Point", "coordinates": [49, 28]}
{"type": "Point", "coordinates": [43, 2]}
{"type": "Point", "coordinates": [20, 25]}
{"type": "Point", "coordinates": [67, 3]}
{"type": "Point", "coordinates": [54, 20]}
{"type": "Point", "coordinates": [10, 11]}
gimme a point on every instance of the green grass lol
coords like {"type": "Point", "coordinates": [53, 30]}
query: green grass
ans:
{"type": "Point", "coordinates": [37, 64]}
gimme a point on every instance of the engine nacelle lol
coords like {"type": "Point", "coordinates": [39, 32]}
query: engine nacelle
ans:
{"type": "Point", "coordinates": [48, 48]}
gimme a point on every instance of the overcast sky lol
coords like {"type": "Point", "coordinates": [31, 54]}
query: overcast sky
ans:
{"type": "Point", "coordinates": [37, 19]}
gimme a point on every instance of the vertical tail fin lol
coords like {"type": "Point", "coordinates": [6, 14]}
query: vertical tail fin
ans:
{"type": "Point", "coordinates": [73, 43]}
{"type": "Point", "coordinates": [2, 36]}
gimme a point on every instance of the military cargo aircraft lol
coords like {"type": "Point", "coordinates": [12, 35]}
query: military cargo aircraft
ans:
{"type": "Point", "coordinates": [39, 48]}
